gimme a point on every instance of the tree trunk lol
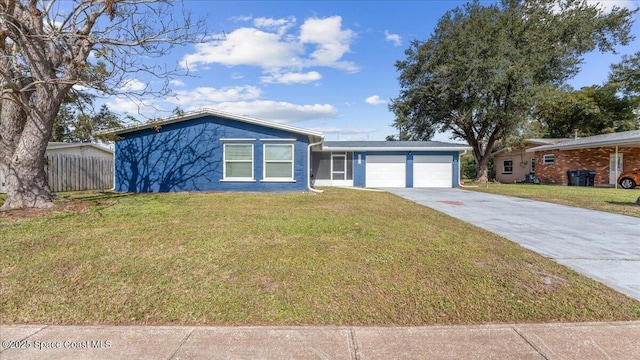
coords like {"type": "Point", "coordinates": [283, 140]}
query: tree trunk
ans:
{"type": "Point", "coordinates": [482, 168]}
{"type": "Point", "coordinates": [23, 156]}
{"type": "Point", "coordinates": [26, 182]}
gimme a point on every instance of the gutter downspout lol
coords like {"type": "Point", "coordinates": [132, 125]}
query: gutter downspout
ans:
{"type": "Point", "coordinates": [309, 164]}
{"type": "Point", "coordinates": [460, 172]}
{"type": "Point", "coordinates": [616, 160]}
{"type": "Point", "coordinates": [113, 189]}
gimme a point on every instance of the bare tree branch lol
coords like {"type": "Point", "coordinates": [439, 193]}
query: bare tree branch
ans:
{"type": "Point", "coordinates": [49, 46]}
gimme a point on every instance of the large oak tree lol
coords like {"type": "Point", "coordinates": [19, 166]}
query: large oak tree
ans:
{"type": "Point", "coordinates": [48, 47]}
{"type": "Point", "coordinates": [589, 111]}
{"type": "Point", "coordinates": [478, 74]}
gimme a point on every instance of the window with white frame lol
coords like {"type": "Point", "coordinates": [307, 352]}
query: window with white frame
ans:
{"type": "Point", "coordinates": [548, 159]}
{"type": "Point", "coordinates": [278, 162]}
{"type": "Point", "coordinates": [238, 162]}
{"type": "Point", "coordinates": [507, 166]}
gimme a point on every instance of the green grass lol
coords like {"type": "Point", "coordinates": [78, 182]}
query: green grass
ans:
{"type": "Point", "coordinates": [618, 201]}
{"type": "Point", "coordinates": [344, 257]}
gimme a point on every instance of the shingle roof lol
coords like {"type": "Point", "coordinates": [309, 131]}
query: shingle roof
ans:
{"type": "Point", "coordinates": [626, 138]}
{"type": "Point", "coordinates": [544, 141]}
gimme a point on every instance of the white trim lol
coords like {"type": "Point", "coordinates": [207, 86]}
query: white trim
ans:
{"type": "Point", "coordinates": [326, 182]}
{"type": "Point", "coordinates": [237, 139]}
{"type": "Point", "coordinates": [544, 159]}
{"type": "Point", "coordinates": [309, 166]}
{"type": "Point", "coordinates": [340, 155]}
{"type": "Point", "coordinates": [56, 146]}
{"type": "Point", "coordinates": [224, 165]}
{"type": "Point", "coordinates": [264, 164]}
{"type": "Point", "coordinates": [618, 161]}
{"type": "Point", "coordinates": [387, 149]}
{"type": "Point", "coordinates": [279, 140]}
{"type": "Point", "coordinates": [504, 167]}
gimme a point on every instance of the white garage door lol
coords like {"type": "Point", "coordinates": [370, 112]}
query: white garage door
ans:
{"type": "Point", "coordinates": [433, 171]}
{"type": "Point", "coordinates": [386, 171]}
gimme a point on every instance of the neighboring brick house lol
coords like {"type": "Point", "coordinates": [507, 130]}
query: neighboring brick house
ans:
{"type": "Point", "coordinates": [598, 153]}
{"type": "Point", "coordinates": [513, 165]}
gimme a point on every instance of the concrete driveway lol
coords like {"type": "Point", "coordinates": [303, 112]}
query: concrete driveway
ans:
{"type": "Point", "coordinates": [603, 246]}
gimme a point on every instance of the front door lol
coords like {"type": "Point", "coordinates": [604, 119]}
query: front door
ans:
{"type": "Point", "coordinates": [614, 170]}
{"type": "Point", "coordinates": [338, 167]}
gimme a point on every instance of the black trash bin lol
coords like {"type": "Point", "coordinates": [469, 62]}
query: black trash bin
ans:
{"type": "Point", "coordinates": [583, 177]}
{"type": "Point", "coordinates": [591, 177]}
{"type": "Point", "coordinates": [574, 177]}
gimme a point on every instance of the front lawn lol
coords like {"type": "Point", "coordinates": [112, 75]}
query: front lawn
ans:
{"type": "Point", "coordinates": [618, 201]}
{"type": "Point", "coordinates": [344, 257]}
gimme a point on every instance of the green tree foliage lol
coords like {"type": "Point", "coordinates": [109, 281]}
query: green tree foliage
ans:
{"type": "Point", "coordinates": [591, 111]}
{"type": "Point", "coordinates": [478, 74]}
{"type": "Point", "coordinates": [626, 74]}
{"type": "Point", "coordinates": [75, 124]}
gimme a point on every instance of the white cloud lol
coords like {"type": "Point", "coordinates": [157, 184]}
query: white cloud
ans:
{"type": "Point", "coordinates": [282, 112]}
{"type": "Point", "coordinates": [205, 96]}
{"type": "Point", "coordinates": [241, 18]}
{"type": "Point", "coordinates": [291, 78]}
{"type": "Point", "coordinates": [336, 130]}
{"type": "Point", "coordinates": [272, 45]}
{"type": "Point", "coordinates": [331, 40]}
{"type": "Point", "coordinates": [608, 5]}
{"type": "Point", "coordinates": [279, 25]}
{"type": "Point", "coordinates": [133, 85]}
{"type": "Point", "coordinates": [394, 38]}
{"type": "Point", "coordinates": [79, 87]}
{"type": "Point", "coordinates": [375, 100]}
{"type": "Point", "coordinates": [246, 46]}
{"type": "Point", "coordinates": [131, 106]}
{"type": "Point", "coordinates": [178, 83]}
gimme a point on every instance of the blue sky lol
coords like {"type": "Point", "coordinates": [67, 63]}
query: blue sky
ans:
{"type": "Point", "coordinates": [320, 65]}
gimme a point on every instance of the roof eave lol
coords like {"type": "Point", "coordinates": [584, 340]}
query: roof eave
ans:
{"type": "Point", "coordinates": [73, 145]}
{"type": "Point", "coordinates": [209, 112]}
{"type": "Point", "coordinates": [609, 143]}
{"type": "Point", "coordinates": [347, 148]}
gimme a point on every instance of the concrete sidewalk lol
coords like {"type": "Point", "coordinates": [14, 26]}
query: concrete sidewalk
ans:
{"type": "Point", "coordinates": [613, 340]}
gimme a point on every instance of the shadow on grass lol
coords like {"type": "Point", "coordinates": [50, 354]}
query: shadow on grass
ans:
{"type": "Point", "coordinates": [624, 203]}
{"type": "Point", "coordinates": [96, 195]}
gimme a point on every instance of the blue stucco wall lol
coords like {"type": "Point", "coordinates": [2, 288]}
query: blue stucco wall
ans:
{"type": "Point", "coordinates": [360, 160]}
{"type": "Point", "coordinates": [187, 156]}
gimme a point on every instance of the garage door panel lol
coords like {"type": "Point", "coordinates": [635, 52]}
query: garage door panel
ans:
{"type": "Point", "coordinates": [386, 171]}
{"type": "Point", "coordinates": [433, 171]}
